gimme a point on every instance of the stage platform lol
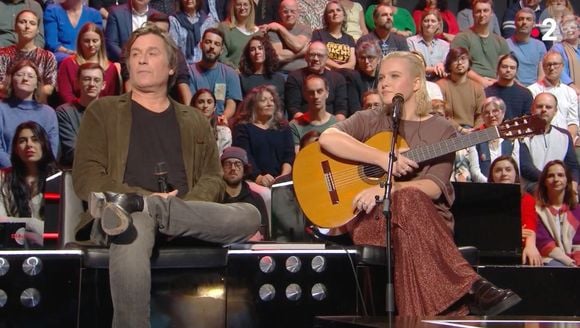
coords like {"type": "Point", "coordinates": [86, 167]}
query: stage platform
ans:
{"type": "Point", "coordinates": [440, 322]}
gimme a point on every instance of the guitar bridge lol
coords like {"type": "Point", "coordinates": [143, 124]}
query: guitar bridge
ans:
{"type": "Point", "coordinates": [329, 180]}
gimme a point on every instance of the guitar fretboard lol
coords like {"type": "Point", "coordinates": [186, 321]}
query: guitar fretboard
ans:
{"type": "Point", "coordinates": [425, 153]}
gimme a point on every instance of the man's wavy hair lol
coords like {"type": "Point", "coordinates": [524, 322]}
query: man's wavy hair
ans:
{"type": "Point", "coordinates": [170, 47]}
{"type": "Point", "coordinates": [271, 58]}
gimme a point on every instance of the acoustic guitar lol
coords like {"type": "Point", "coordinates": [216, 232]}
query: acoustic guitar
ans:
{"type": "Point", "coordinates": [325, 185]}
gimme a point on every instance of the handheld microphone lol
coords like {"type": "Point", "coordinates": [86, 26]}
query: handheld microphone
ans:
{"type": "Point", "coordinates": [397, 102]}
{"type": "Point", "coordinates": [161, 174]}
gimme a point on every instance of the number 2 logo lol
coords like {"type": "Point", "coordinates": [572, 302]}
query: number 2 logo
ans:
{"type": "Point", "coordinates": [551, 23]}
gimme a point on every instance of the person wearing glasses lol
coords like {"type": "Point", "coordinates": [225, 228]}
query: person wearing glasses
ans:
{"type": "Point", "coordinates": [316, 58]}
{"type": "Point", "coordinates": [482, 154]}
{"type": "Point", "coordinates": [364, 77]}
{"type": "Point", "coordinates": [236, 168]}
{"type": "Point", "coordinates": [567, 113]}
{"type": "Point", "coordinates": [23, 88]}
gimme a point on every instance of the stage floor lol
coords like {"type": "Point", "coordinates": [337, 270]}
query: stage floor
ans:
{"type": "Point", "coordinates": [440, 322]}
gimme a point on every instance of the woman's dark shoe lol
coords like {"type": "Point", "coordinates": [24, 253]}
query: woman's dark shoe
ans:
{"type": "Point", "coordinates": [114, 210]}
{"type": "Point", "coordinates": [488, 299]}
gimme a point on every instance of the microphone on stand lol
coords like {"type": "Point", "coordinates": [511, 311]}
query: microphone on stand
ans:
{"type": "Point", "coordinates": [161, 174]}
{"type": "Point", "coordinates": [397, 102]}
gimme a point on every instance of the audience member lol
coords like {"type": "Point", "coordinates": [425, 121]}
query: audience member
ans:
{"type": "Point", "coordinates": [493, 112]}
{"type": "Point", "coordinates": [371, 99]}
{"type": "Point", "coordinates": [316, 57]}
{"type": "Point", "coordinates": [388, 40]}
{"type": "Point", "coordinates": [518, 99]}
{"type": "Point", "coordinates": [62, 23]}
{"type": "Point", "coordinates": [557, 10]}
{"type": "Point", "coordinates": [570, 51]}
{"type": "Point", "coordinates": [449, 27]}
{"type": "Point", "coordinates": [364, 78]}
{"type": "Point", "coordinates": [258, 66]}
{"type": "Point", "coordinates": [210, 74]}
{"type": "Point", "coordinates": [464, 96]}
{"type": "Point", "coordinates": [21, 105]}
{"type": "Point", "coordinates": [316, 117]}
{"type": "Point", "coordinates": [567, 113]}
{"type": "Point", "coordinates": [432, 49]}
{"type": "Point", "coordinates": [465, 18]}
{"type": "Point", "coordinates": [22, 185]}
{"type": "Point", "coordinates": [355, 19]}
{"type": "Point", "coordinates": [124, 19]}
{"type": "Point", "coordinates": [187, 27]}
{"type": "Point", "coordinates": [484, 47]}
{"type": "Point", "coordinates": [289, 38]}
{"type": "Point", "coordinates": [504, 169]}
{"type": "Point", "coordinates": [555, 143]}
{"type": "Point", "coordinates": [205, 101]}
{"type": "Point", "coordinates": [261, 130]}
{"type": "Point", "coordinates": [403, 23]}
{"type": "Point", "coordinates": [90, 82]}
{"type": "Point", "coordinates": [237, 29]}
{"type": "Point", "coordinates": [527, 50]}
{"type": "Point", "coordinates": [91, 49]}
{"type": "Point", "coordinates": [339, 44]}
{"type": "Point", "coordinates": [9, 10]}
{"type": "Point", "coordinates": [558, 235]}
{"type": "Point", "coordinates": [508, 24]}
{"type": "Point", "coordinates": [236, 168]}
{"type": "Point", "coordinates": [26, 29]}
{"type": "Point", "coordinates": [127, 206]}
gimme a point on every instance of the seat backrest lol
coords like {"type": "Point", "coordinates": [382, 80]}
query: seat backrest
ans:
{"type": "Point", "coordinates": [70, 209]}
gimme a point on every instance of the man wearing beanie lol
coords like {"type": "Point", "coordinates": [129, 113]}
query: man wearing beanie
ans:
{"type": "Point", "coordinates": [235, 166]}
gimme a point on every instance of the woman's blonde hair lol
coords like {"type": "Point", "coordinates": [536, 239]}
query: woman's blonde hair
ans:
{"type": "Point", "coordinates": [232, 21]}
{"type": "Point", "coordinates": [417, 69]}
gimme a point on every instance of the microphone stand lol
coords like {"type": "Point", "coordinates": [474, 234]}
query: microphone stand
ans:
{"type": "Point", "coordinates": [387, 211]}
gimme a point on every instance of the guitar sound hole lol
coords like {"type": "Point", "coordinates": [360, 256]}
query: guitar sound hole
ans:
{"type": "Point", "coordinates": [372, 171]}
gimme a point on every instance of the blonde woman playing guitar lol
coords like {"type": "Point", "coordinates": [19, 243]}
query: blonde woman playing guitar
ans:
{"type": "Point", "coordinates": [431, 276]}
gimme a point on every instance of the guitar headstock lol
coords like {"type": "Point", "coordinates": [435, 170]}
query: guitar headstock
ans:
{"type": "Point", "coordinates": [522, 127]}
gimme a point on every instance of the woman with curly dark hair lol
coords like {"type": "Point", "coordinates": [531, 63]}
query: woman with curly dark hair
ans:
{"type": "Point", "coordinates": [260, 129]}
{"type": "Point", "coordinates": [259, 65]}
{"type": "Point", "coordinates": [22, 185]}
{"type": "Point", "coordinates": [450, 26]}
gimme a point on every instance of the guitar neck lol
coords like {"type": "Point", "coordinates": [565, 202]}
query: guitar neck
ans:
{"type": "Point", "coordinates": [425, 153]}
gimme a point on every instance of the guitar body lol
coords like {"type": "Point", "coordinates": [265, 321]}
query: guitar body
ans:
{"type": "Point", "coordinates": [326, 185]}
